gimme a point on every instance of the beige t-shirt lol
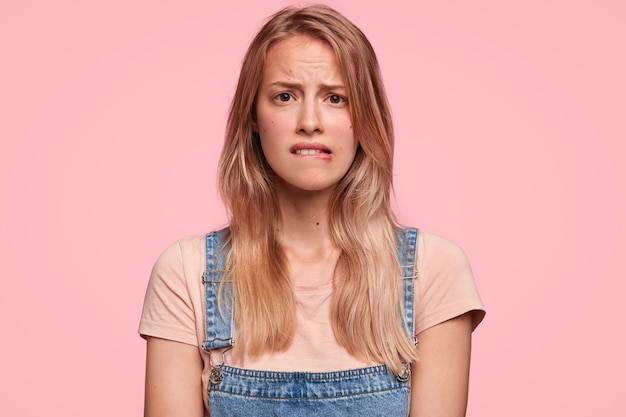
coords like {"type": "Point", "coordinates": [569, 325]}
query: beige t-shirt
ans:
{"type": "Point", "coordinates": [173, 307]}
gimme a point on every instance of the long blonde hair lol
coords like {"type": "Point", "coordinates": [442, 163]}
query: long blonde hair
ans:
{"type": "Point", "coordinates": [366, 306]}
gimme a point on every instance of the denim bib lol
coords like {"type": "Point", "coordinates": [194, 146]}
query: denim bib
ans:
{"type": "Point", "coordinates": [235, 392]}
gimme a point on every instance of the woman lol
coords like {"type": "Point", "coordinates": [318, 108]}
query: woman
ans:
{"type": "Point", "coordinates": [313, 300]}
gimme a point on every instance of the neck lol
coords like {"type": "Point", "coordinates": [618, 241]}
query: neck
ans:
{"type": "Point", "coordinates": [305, 238]}
{"type": "Point", "coordinates": [304, 219]}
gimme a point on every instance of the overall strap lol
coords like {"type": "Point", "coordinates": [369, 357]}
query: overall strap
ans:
{"type": "Point", "coordinates": [219, 317]}
{"type": "Point", "coordinates": [407, 255]}
{"type": "Point", "coordinates": [219, 324]}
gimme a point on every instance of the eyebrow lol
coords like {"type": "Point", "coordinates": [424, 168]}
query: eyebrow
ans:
{"type": "Point", "coordinates": [286, 84]}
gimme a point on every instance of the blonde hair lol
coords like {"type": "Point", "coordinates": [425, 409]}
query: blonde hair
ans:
{"type": "Point", "coordinates": [367, 300]}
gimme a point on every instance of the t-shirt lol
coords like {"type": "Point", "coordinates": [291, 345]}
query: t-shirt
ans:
{"type": "Point", "coordinates": [174, 309]}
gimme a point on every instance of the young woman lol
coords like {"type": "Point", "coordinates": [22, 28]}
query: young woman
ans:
{"type": "Point", "coordinates": [313, 301]}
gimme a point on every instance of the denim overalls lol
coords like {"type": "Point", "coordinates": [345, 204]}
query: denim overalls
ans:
{"type": "Point", "coordinates": [369, 391]}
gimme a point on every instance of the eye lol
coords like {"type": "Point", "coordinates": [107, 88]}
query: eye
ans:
{"type": "Point", "coordinates": [336, 99]}
{"type": "Point", "coordinates": [284, 97]}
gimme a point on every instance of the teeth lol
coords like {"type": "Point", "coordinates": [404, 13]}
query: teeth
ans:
{"type": "Point", "coordinates": [307, 151]}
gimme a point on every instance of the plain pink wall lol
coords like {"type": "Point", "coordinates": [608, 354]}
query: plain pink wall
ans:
{"type": "Point", "coordinates": [510, 119]}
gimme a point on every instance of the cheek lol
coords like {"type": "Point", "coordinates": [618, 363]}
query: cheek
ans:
{"type": "Point", "coordinates": [351, 142]}
{"type": "Point", "coordinates": [269, 123]}
{"type": "Point", "coordinates": [261, 119]}
{"type": "Point", "coordinates": [269, 129]}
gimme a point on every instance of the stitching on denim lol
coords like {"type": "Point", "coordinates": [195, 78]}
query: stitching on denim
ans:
{"type": "Point", "coordinates": [308, 398]}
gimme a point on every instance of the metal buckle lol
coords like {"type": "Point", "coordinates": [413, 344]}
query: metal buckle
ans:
{"type": "Point", "coordinates": [217, 375]}
{"type": "Point", "coordinates": [405, 375]}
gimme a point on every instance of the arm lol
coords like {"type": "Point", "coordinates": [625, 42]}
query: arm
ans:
{"type": "Point", "coordinates": [173, 379]}
{"type": "Point", "coordinates": [440, 377]}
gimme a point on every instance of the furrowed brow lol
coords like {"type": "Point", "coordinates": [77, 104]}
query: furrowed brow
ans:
{"type": "Point", "coordinates": [286, 84]}
{"type": "Point", "coordinates": [333, 87]}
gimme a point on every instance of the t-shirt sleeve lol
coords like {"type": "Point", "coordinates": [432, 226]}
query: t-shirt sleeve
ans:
{"type": "Point", "coordinates": [445, 284]}
{"type": "Point", "coordinates": [168, 311]}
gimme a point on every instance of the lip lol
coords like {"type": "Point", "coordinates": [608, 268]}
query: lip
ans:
{"type": "Point", "coordinates": [324, 151]}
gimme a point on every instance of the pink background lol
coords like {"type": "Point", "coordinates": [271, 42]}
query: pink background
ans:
{"type": "Point", "coordinates": [510, 120]}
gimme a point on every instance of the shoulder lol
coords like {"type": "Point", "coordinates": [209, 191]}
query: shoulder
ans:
{"type": "Point", "coordinates": [173, 301]}
{"type": "Point", "coordinates": [445, 282]}
{"type": "Point", "coordinates": [177, 273]}
{"type": "Point", "coordinates": [185, 257]}
{"type": "Point", "coordinates": [435, 251]}
{"type": "Point", "coordinates": [180, 255]}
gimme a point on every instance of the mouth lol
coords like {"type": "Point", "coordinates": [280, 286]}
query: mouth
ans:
{"type": "Point", "coordinates": [309, 149]}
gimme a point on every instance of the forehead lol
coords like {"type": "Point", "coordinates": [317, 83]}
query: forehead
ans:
{"type": "Point", "coordinates": [297, 40]}
{"type": "Point", "coordinates": [303, 49]}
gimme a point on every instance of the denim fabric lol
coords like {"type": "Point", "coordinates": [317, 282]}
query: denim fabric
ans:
{"type": "Point", "coordinates": [371, 391]}
{"type": "Point", "coordinates": [219, 327]}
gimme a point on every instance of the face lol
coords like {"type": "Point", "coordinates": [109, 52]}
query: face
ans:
{"type": "Point", "coordinates": [303, 116]}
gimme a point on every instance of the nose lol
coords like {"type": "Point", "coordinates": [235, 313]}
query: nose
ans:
{"type": "Point", "coordinates": [309, 120]}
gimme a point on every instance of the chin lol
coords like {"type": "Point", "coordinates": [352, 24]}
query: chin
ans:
{"type": "Point", "coordinates": [307, 188]}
